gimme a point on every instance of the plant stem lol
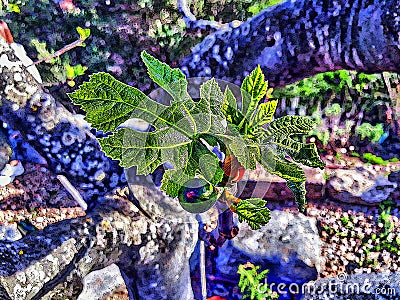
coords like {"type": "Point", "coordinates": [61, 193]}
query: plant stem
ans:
{"type": "Point", "coordinates": [68, 47]}
{"type": "Point", "coordinates": [203, 271]}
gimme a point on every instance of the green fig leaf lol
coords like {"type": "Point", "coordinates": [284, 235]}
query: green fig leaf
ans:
{"type": "Point", "coordinates": [253, 90]}
{"type": "Point", "coordinates": [253, 211]}
{"type": "Point", "coordinates": [171, 80]}
{"type": "Point", "coordinates": [265, 113]}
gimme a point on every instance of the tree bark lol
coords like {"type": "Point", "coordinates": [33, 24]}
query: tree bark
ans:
{"type": "Point", "coordinates": [290, 42]}
{"type": "Point", "coordinates": [50, 264]}
{"type": "Point", "coordinates": [298, 39]}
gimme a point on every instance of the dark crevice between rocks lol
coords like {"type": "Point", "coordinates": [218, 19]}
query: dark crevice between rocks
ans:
{"type": "Point", "coordinates": [50, 285]}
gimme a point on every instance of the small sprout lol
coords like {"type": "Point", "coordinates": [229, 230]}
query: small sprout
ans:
{"type": "Point", "coordinates": [84, 33]}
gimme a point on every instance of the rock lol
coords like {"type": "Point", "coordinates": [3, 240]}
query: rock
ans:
{"type": "Point", "coordinates": [4, 180]}
{"type": "Point", "coordinates": [13, 170]}
{"type": "Point", "coordinates": [5, 150]}
{"type": "Point", "coordinates": [19, 51]}
{"type": "Point", "coordinates": [101, 284]}
{"type": "Point", "coordinates": [285, 234]}
{"type": "Point", "coordinates": [376, 286]}
{"type": "Point", "coordinates": [359, 186]}
{"type": "Point", "coordinates": [171, 242]}
{"type": "Point", "coordinates": [23, 150]}
{"type": "Point", "coordinates": [10, 232]}
{"type": "Point", "coordinates": [394, 176]}
{"type": "Point", "coordinates": [289, 246]}
{"type": "Point", "coordinates": [7, 175]}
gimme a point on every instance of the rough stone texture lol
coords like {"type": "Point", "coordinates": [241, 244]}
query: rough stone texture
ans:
{"type": "Point", "coordinates": [360, 186]}
{"type": "Point", "coordinates": [289, 246]}
{"type": "Point", "coordinates": [10, 232]}
{"type": "Point", "coordinates": [374, 286]}
{"type": "Point", "coordinates": [172, 274]}
{"type": "Point", "coordinates": [298, 39]}
{"type": "Point", "coordinates": [5, 150]}
{"type": "Point", "coordinates": [101, 284]}
{"type": "Point", "coordinates": [395, 177]}
{"type": "Point", "coordinates": [53, 131]}
{"type": "Point", "coordinates": [51, 263]}
{"type": "Point", "coordinates": [284, 236]}
{"type": "Point", "coordinates": [16, 86]}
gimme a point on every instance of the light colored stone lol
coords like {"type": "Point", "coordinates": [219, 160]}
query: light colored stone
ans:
{"type": "Point", "coordinates": [10, 232]}
{"type": "Point", "coordinates": [100, 284]}
{"type": "Point", "coordinates": [4, 180]}
{"type": "Point", "coordinates": [360, 186]}
{"type": "Point", "coordinates": [285, 243]}
{"type": "Point", "coordinates": [19, 52]}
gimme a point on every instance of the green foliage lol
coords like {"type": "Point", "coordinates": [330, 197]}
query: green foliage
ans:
{"type": "Point", "coordinates": [60, 67]}
{"type": "Point", "coordinates": [254, 285]}
{"type": "Point", "coordinates": [167, 34]}
{"type": "Point", "coordinates": [184, 131]}
{"type": "Point", "coordinates": [224, 10]}
{"type": "Point", "coordinates": [13, 8]}
{"type": "Point", "coordinates": [253, 212]}
{"type": "Point", "coordinates": [375, 159]}
{"type": "Point", "coordinates": [316, 87]}
{"type": "Point", "coordinates": [42, 51]}
{"type": "Point", "coordinates": [333, 110]}
{"type": "Point", "coordinates": [171, 80]}
{"type": "Point", "coordinates": [276, 140]}
{"type": "Point", "coordinates": [84, 33]}
{"type": "Point", "coordinates": [385, 238]}
{"type": "Point", "coordinates": [388, 237]}
{"type": "Point", "coordinates": [373, 133]}
{"type": "Point", "coordinates": [256, 8]}
{"type": "Point", "coordinates": [338, 101]}
{"type": "Point", "coordinates": [73, 72]}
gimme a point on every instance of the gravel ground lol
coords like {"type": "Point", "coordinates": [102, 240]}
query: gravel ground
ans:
{"type": "Point", "coordinates": [38, 196]}
{"type": "Point", "coordinates": [357, 239]}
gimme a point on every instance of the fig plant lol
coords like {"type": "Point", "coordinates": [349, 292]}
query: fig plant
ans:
{"type": "Point", "coordinates": [253, 284]}
{"type": "Point", "coordinates": [186, 133]}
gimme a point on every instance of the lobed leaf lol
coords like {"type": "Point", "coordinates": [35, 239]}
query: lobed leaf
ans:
{"type": "Point", "coordinates": [211, 93]}
{"type": "Point", "coordinates": [287, 126]}
{"type": "Point", "coordinates": [246, 150]}
{"type": "Point", "coordinates": [253, 89]}
{"type": "Point", "coordinates": [176, 129]}
{"type": "Point", "coordinates": [279, 133]}
{"type": "Point", "coordinates": [200, 161]}
{"type": "Point", "coordinates": [282, 167]}
{"type": "Point", "coordinates": [253, 211]}
{"type": "Point", "coordinates": [109, 102]}
{"type": "Point", "coordinates": [230, 110]}
{"type": "Point", "coordinates": [265, 113]}
{"type": "Point", "coordinates": [171, 80]}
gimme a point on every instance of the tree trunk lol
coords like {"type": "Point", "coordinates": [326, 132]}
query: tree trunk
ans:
{"type": "Point", "coordinates": [50, 264]}
{"type": "Point", "coordinates": [298, 39]}
{"type": "Point", "coordinates": [290, 42]}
